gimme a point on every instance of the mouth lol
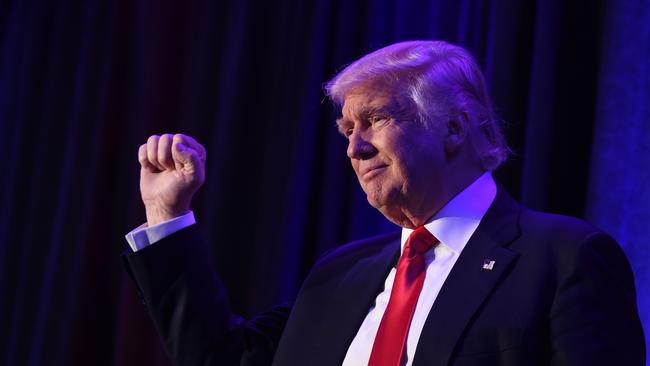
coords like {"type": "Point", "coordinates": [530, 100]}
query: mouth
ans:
{"type": "Point", "coordinates": [369, 173]}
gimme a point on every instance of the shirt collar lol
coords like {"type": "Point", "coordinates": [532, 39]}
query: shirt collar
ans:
{"type": "Point", "coordinates": [456, 221]}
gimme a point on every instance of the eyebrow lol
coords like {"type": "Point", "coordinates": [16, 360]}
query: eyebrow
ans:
{"type": "Point", "coordinates": [367, 111]}
{"type": "Point", "coordinates": [364, 113]}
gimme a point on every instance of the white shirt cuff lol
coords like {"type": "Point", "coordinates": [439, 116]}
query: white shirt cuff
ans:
{"type": "Point", "coordinates": [144, 235]}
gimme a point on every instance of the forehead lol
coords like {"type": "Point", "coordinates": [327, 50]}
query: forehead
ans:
{"type": "Point", "coordinates": [361, 101]}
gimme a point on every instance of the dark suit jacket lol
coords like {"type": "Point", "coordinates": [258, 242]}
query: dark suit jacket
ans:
{"type": "Point", "coordinates": [560, 293]}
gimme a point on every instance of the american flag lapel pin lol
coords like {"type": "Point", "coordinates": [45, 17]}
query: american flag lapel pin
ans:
{"type": "Point", "coordinates": [488, 265]}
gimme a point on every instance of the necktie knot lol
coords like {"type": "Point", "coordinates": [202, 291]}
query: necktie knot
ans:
{"type": "Point", "coordinates": [419, 242]}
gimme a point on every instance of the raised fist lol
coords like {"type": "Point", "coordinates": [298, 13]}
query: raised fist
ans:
{"type": "Point", "coordinates": [172, 170]}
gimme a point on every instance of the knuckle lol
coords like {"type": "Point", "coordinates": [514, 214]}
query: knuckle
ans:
{"type": "Point", "coordinates": [152, 151]}
{"type": "Point", "coordinates": [153, 138]}
{"type": "Point", "coordinates": [164, 157]}
{"type": "Point", "coordinates": [179, 137]}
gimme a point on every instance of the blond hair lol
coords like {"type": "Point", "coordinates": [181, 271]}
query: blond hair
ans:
{"type": "Point", "coordinates": [439, 80]}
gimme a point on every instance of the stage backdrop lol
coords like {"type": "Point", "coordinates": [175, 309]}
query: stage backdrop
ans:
{"type": "Point", "coordinates": [83, 83]}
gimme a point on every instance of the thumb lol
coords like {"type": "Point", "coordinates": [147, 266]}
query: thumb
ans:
{"type": "Point", "coordinates": [185, 157]}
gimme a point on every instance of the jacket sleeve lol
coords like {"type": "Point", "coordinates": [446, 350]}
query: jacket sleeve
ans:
{"type": "Point", "coordinates": [188, 304]}
{"type": "Point", "coordinates": [594, 318]}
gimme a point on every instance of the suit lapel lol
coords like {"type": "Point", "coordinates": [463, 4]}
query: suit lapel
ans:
{"type": "Point", "coordinates": [468, 284]}
{"type": "Point", "coordinates": [342, 301]}
{"type": "Point", "coordinates": [358, 290]}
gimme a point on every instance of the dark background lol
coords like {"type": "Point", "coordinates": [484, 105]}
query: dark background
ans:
{"type": "Point", "coordinates": [84, 83]}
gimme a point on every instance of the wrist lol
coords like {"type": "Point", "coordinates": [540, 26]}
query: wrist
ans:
{"type": "Point", "coordinates": [157, 215]}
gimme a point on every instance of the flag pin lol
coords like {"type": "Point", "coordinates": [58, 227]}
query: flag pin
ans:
{"type": "Point", "coordinates": [488, 265]}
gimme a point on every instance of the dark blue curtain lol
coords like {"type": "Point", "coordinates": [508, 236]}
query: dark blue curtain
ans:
{"type": "Point", "coordinates": [619, 166]}
{"type": "Point", "coordinates": [83, 83]}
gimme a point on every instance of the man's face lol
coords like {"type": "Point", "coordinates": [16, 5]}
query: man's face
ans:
{"type": "Point", "coordinates": [399, 162]}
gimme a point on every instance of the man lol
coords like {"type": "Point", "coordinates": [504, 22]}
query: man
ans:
{"type": "Point", "coordinates": [473, 279]}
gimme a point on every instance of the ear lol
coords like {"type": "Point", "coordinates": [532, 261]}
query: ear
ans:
{"type": "Point", "coordinates": [457, 131]}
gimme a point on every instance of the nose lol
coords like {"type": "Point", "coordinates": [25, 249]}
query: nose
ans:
{"type": "Point", "coordinates": [359, 147]}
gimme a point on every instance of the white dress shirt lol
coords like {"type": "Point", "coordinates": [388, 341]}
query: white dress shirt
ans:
{"type": "Point", "coordinates": [453, 225]}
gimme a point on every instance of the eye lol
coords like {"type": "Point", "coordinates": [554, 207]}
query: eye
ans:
{"type": "Point", "coordinates": [346, 131]}
{"type": "Point", "coordinates": [378, 119]}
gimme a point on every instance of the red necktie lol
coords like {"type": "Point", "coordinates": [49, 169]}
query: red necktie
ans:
{"type": "Point", "coordinates": [390, 341]}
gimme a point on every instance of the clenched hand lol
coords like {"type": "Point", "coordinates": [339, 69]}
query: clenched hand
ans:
{"type": "Point", "coordinates": [172, 170]}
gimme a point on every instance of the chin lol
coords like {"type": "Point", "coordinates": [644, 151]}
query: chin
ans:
{"type": "Point", "coordinates": [373, 201]}
{"type": "Point", "coordinates": [379, 198]}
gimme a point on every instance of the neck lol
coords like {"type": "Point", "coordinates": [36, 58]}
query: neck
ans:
{"type": "Point", "coordinates": [417, 211]}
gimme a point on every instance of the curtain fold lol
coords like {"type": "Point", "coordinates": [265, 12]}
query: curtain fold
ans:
{"type": "Point", "coordinates": [618, 192]}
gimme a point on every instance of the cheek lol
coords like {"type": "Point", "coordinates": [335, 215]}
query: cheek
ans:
{"type": "Point", "coordinates": [399, 174]}
{"type": "Point", "coordinates": [400, 161]}
{"type": "Point", "coordinates": [355, 166]}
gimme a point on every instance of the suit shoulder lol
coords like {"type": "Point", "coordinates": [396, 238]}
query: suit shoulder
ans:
{"type": "Point", "coordinates": [564, 238]}
{"type": "Point", "coordinates": [558, 227]}
{"type": "Point", "coordinates": [353, 251]}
